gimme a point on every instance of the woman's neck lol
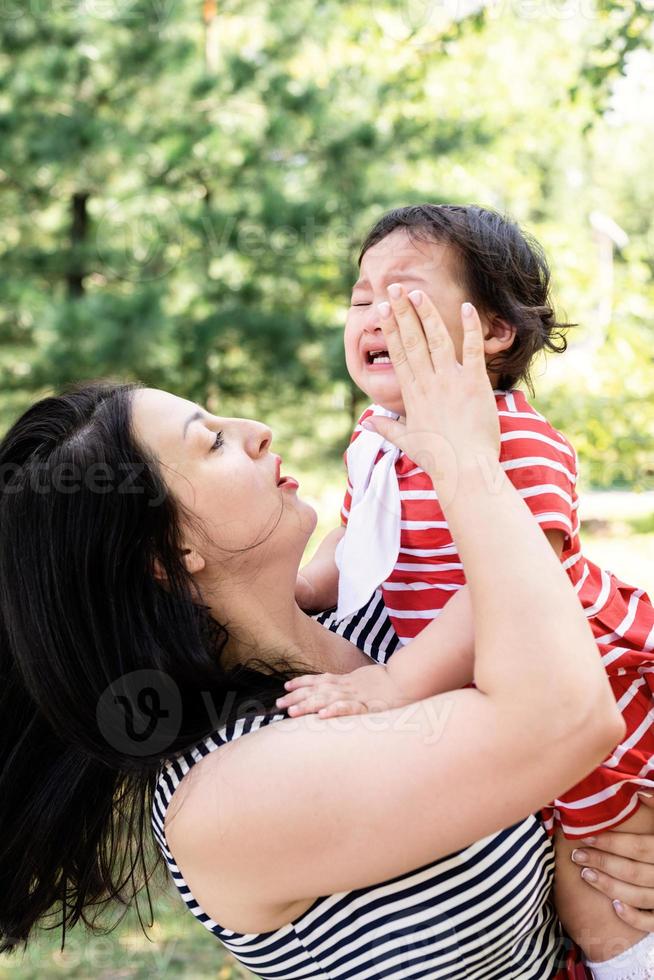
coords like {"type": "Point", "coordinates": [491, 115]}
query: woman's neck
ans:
{"type": "Point", "coordinates": [264, 622]}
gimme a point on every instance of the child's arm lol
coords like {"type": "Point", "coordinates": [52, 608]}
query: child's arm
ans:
{"type": "Point", "coordinates": [440, 659]}
{"type": "Point", "coordinates": [317, 582]}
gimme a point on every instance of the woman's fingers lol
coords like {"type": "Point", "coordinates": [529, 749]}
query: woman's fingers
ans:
{"type": "Point", "coordinates": [390, 429]}
{"type": "Point", "coordinates": [603, 849]}
{"type": "Point", "coordinates": [473, 340]}
{"type": "Point", "coordinates": [412, 334]}
{"type": "Point", "coordinates": [620, 868]}
{"type": "Point", "coordinates": [395, 346]}
{"type": "Point", "coordinates": [439, 341]}
{"type": "Point", "coordinates": [620, 891]}
{"type": "Point", "coordinates": [634, 917]}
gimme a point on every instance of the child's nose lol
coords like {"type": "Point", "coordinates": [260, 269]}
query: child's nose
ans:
{"type": "Point", "coordinates": [372, 321]}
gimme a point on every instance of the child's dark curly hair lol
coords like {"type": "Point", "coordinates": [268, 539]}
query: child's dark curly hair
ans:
{"type": "Point", "coordinates": [503, 270]}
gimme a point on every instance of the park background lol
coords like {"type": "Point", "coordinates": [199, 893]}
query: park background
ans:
{"type": "Point", "coordinates": [183, 186]}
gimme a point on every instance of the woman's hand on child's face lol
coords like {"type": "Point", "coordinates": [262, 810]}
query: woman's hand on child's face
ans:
{"type": "Point", "coordinates": [368, 688]}
{"type": "Point", "coordinates": [624, 868]}
{"type": "Point", "coordinates": [451, 414]}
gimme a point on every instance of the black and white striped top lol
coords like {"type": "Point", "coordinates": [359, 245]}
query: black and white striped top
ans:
{"type": "Point", "coordinates": [483, 913]}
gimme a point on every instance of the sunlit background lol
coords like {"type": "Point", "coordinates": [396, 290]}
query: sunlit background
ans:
{"type": "Point", "coordinates": [183, 186]}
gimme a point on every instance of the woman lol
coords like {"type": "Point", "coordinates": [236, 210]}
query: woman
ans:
{"type": "Point", "coordinates": [135, 523]}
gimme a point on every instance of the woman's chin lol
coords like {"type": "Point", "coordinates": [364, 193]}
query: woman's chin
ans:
{"type": "Point", "coordinates": [309, 517]}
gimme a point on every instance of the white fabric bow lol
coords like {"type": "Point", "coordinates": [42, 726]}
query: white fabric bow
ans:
{"type": "Point", "coordinates": [367, 552]}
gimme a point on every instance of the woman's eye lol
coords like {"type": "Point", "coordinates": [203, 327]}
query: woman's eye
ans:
{"type": "Point", "coordinates": [218, 442]}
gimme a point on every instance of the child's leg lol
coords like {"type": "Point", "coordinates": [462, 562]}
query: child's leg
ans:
{"type": "Point", "coordinates": [587, 915]}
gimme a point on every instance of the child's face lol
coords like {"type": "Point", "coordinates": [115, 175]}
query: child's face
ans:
{"type": "Point", "coordinates": [420, 265]}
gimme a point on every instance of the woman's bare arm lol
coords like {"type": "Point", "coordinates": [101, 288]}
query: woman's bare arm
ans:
{"type": "Point", "coordinates": [440, 659]}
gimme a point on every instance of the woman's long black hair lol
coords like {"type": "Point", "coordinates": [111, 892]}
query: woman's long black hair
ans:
{"type": "Point", "coordinates": [103, 671]}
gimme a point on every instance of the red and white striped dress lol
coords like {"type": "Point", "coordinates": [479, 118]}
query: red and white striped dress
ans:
{"type": "Point", "coordinates": [542, 466]}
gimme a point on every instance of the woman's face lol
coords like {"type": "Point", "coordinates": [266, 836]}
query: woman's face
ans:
{"type": "Point", "coordinates": [223, 473]}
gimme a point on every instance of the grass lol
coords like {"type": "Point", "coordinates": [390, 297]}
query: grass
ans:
{"type": "Point", "coordinates": [619, 536]}
{"type": "Point", "coordinates": [178, 946]}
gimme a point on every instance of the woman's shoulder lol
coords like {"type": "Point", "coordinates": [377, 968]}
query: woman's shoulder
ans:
{"type": "Point", "coordinates": [206, 828]}
{"type": "Point", "coordinates": [175, 784]}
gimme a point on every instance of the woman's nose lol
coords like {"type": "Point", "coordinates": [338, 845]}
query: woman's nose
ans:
{"type": "Point", "coordinates": [258, 438]}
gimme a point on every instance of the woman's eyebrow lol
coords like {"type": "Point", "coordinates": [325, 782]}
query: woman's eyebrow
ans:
{"type": "Point", "coordinates": [192, 418]}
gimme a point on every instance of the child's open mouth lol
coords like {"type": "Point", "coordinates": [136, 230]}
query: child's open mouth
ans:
{"type": "Point", "coordinates": [378, 357]}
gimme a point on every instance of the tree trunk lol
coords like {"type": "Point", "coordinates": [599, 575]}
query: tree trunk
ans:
{"type": "Point", "coordinates": [79, 225]}
{"type": "Point", "coordinates": [355, 394]}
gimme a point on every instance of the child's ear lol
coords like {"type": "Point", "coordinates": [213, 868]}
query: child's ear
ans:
{"type": "Point", "coordinates": [193, 561]}
{"type": "Point", "coordinates": [498, 335]}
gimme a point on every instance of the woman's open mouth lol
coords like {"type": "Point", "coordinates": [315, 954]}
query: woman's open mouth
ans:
{"type": "Point", "coordinates": [288, 483]}
{"type": "Point", "coordinates": [285, 482]}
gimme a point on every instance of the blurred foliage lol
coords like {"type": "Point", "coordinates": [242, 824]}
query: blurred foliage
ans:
{"type": "Point", "coordinates": [183, 186]}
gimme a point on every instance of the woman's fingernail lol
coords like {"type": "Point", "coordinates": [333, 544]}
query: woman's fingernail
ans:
{"type": "Point", "coordinates": [368, 425]}
{"type": "Point", "coordinates": [395, 290]}
{"type": "Point", "coordinates": [580, 857]}
{"type": "Point", "coordinates": [416, 297]}
{"type": "Point", "coordinates": [466, 309]}
{"type": "Point", "coordinates": [384, 308]}
{"type": "Point", "coordinates": [589, 875]}
{"type": "Point", "coordinates": [646, 796]}
{"type": "Point", "coordinates": [618, 906]}
{"type": "Point", "coordinates": [589, 840]}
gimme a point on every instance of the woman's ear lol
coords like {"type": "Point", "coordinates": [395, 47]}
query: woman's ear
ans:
{"type": "Point", "coordinates": [193, 562]}
{"type": "Point", "coordinates": [498, 335]}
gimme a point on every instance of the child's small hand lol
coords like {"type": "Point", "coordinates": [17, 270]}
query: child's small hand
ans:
{"type": "Point", "coordinates": [368, 688]}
